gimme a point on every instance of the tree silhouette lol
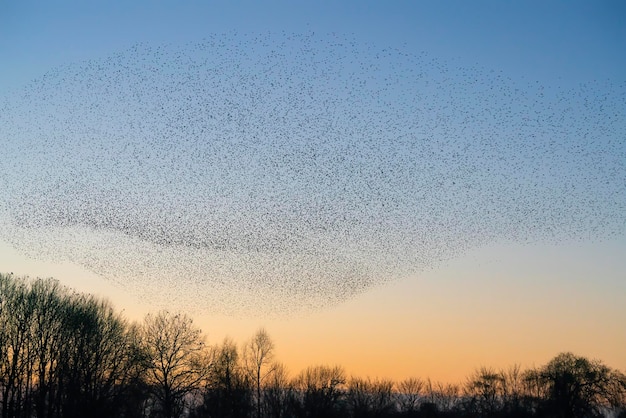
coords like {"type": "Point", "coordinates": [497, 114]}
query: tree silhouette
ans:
{"type": "Point", "coordinates": [178, 361]}
{"type": "Point", "coordinates": [322, 389]}
{"type": "Point", "coordinates": [370, 398]}
{"type": "Point", "coordinates": [441, 396]}
{"type": "Point", "coordinates": [62, 354]}
{"type": "Point", "coordinates": [616, 392]}
{"type": "Point", "coordinates": [409, 395]}
{"type": "Point", "coordinates": [258, 355]}
{"type": "Point", "coordinates": [99, 358]}
{"type": "Point", "coordinates": [279, 394]}
{"type": "Point", "coordinates": [576, 386]}
{"type": "Point", "coordinates": [48, 342]}
{"type": "Point", "coordinates": [15, 364]}
{"type": "Point", "coordinates": [228, 391]}
{"type": "Point", "coordinates": [484, 392]}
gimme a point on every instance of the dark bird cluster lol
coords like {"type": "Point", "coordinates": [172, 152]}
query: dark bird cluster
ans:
{"type": "Point", "coordinates": [278, 172]}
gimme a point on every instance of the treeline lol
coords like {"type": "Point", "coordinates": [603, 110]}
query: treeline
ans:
{"type": "Point", "coordinates": [66, 354]}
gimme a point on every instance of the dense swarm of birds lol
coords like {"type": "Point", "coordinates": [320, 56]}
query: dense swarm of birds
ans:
{"type": "Point", "coordinates": [274, 173]}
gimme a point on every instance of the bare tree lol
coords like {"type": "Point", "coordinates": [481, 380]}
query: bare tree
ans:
{"type": "Point", "coordinates": [279, 393]}
{"type": "Point", "coordinates": [441, 397]}
{"type": "Point", "coordinates": [513, 390]}
{"type": "Point", "coordinates": [533, 387]}
{"type": "Point", "coordinates": [98, 360]}
{"type": "Point", "coordinates": [484, 392]}
{"type": "Point", "coordinates": [616, 391]}
{"type": "Point", "coordinates": [178, 360]}
{"type": "Point", "coordinates": [15, 363]}
{"type": "Point", "coordinates": [47, 342]}
{"type": "Point", "coordinates": [228, 391]}
{"type": "Point", "coordinates": [322, 389]}
{"type": "Point", "coordinates": [370, 398]}
{"type": "Point", "coordinates": [409, 394]}
{"type": "Point", "coordinates": [61, 353]}
{"type": "Point", "coordinates": [258, 359]}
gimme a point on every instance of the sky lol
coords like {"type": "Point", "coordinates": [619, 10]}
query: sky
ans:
{"type": "Point", "coordinates": [401, 188]}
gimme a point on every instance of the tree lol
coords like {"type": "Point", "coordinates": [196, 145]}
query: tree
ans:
{"type": "Point", "coordinates": [61, 353]}
{"type": "Point", "coordinates": [279, 394]}
{"type": "Point", "coordinates": [370, 398]}
{"type": "Point", "coordinates": [441, 397]}
{"type": "Point", "coordinates": [576, 386]}
{"type": "Point", "coordinates": [484, 392]}
{"type": "Point", "coordinates": [617, 392]}
{"type": "Point", "coordinates": [321, 389]}
{"type": "Point", "coordinates": [178, 360]}
{"type": "Point", "coordinates": [227, 392]}
{"type": "Point", "coordinates": [47, 343]}
{"type": "Point", "coordinates": [409, 394]}
{"type": "Point", "coordinates": [258, 356]}
{"type": "Point", "coordinates": [99, 358]}
{"type": "Point", "coordinates": [513, 398]}
{"type": "Point", "coordinates": [15, 362]}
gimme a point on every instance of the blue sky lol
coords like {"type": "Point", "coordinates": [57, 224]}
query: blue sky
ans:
{"type": "Point", "coordinates": [576, 41]}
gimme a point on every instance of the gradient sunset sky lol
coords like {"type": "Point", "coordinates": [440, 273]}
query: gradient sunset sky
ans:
{"type": "Point", "coordinates": [496, 296]}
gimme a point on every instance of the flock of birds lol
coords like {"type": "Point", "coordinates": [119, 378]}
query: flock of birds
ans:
{"type": "Point", "coordinates": [275, 173]}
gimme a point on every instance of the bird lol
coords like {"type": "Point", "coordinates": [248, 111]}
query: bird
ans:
{"type": "Point", "coordinates": [282, 172]}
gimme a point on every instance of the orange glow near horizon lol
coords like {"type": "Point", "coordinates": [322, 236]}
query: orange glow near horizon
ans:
{"type": "Point", "coordinates": [441, 325]}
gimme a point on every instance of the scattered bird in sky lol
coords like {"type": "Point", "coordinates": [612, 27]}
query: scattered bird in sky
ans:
{"type": "Point", "coordinates": [280, 172]}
